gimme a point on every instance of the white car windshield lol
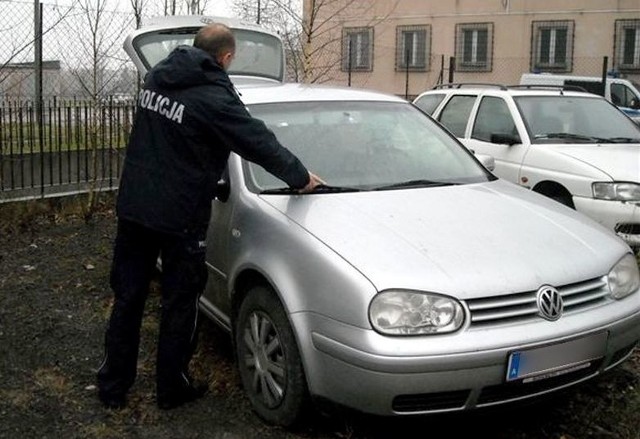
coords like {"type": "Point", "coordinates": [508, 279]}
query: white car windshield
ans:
{"type": "Point", "coordinates": [257, 53]}
{"type": "Point", "coordinates": [575, 119]}
{"type": "Point", "coordinates": [366, 146]}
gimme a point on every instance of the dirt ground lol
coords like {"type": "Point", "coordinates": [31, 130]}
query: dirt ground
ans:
{"type": "Point", "coordinates": [54, 302]}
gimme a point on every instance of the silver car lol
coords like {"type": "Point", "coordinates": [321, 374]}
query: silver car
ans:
{"type": "Point", "coordinates": [415, 281]}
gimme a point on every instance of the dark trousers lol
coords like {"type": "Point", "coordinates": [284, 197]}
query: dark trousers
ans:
{"type": "Point", "coordinates": [183, 279]}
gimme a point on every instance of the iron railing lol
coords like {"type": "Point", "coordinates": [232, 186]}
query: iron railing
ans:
{"type": "Point", "coordinates": [71, 145]}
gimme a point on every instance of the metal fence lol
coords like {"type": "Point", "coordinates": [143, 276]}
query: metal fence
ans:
{"type": "Point", "coordinates": [66, 98]}
{"type": "Point", "coordinates": [79, 145]}
{"type": "Point", "coordinates": [82, 53]}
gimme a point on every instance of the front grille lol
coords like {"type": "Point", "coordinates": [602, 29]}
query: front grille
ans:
{"type": "Point", "coordinates": [510, 391]}
{"type": "Point", "coordinates": [430, 401]}
{"type": "Point", "coordinates": [522, 306]}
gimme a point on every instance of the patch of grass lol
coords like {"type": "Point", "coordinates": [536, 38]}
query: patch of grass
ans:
{"type": "Point", "coordinates": [22, 215]}
{"type": "Point", "coordinates": [101, 430]}
{"type": "Point", "coordinates": [20, 399]}
{"type": "Point", "coordinates": [52, 380]}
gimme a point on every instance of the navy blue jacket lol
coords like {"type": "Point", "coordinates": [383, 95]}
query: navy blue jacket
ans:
{"type": "Point", "coordinates": [188, 119]}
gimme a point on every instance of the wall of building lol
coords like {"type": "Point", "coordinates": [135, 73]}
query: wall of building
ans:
{"type": "Point", "coordinates": [593, 37]}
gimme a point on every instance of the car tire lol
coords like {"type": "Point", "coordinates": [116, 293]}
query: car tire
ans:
{"type": "Point", "coordinates": [268, 359]}
{"type": "Point", "coordinates": [563, 199]}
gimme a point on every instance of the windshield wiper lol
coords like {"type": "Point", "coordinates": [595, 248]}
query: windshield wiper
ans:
{"type": "Point", "coordinates": [320, 189]}
{"type": "Point", "coordinates": [327, 188]}
{"type": "Point", "coordinates": [571, 136]}
{"type": "Point", "coordinates": [623, 140]}
{"type": "Point", "coordinates": [279, 191]}
{"type": "Point", "coordinates": [415, 184]}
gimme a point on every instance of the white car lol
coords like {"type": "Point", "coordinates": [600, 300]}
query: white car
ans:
{"type": "Point", "coordinates": [415, 281]}
{"type": "Point", "coordinates": [573, 147]}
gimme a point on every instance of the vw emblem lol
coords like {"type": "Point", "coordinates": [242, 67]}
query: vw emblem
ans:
{"type": "Point", "coordinates": [549, 303]}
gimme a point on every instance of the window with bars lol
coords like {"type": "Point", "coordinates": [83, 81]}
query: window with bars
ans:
{"type": "Point", "coordinates": [627, 45]}
{"type": "Point", "coordinates": [552, 46]}
{"type": "Point", "coordinates": [474, 47]}
{"type": "Point", "coordinates": [357, 49]}
{"type": "Point", "coordinates": [413, 47]}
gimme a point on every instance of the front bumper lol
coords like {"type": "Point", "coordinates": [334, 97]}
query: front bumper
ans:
{"type": "Point", "coordinates": [621, 217]}
{"type": "Point", "coordinates": [381, 383]}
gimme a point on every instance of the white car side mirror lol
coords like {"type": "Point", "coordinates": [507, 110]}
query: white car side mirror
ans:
{"type": "Point", "coordinates": [487, 161]}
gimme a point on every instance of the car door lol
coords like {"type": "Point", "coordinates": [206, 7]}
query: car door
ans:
{"type": "Point", "coordinates": [454, 116]}
{"type": "Point", "coordinates": [494, 132]}
{"type": "Point", "coordinates": [429, 102]}
{"type": "Point", "coordinates": [216, 300]}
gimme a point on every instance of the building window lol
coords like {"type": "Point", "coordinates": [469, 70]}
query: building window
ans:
{"type": "Point", "coordinates": [357, 49]}
{"type": "Point", "coordinates": [552, 46]}
{"type": "Point", "coordinates": [474, 47]}
{"type": "Point", "coordinates": [627, 45]}
{"type": "Point", "coordinates": [413, 47]}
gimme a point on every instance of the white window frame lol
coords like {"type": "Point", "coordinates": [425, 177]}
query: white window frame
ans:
{"type": "Point", "coordinates": [621, 27]}
{"type": "Point", "coordinates": [537, 29]}
{"type": "Point", "coordinates": [363, 55]}
{"type": "Point", "coordinates": [474, 64]}
{"type": "Point", "coordinates": [421, 47]}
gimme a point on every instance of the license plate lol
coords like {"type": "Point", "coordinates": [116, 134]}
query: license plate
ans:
{"type": "Point", "coordinates": [556, 359]}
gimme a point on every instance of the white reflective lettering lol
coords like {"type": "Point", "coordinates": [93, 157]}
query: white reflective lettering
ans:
{"type": "Point", "coordinates": [173, 109]}
{"type": "Point", "coordinates": [145, 99]}
{"type": "Point", "coordinates": [163, 106]}
{"type": "Point", "coordinates": [150, 101]}
{"type": "Point", "coordinates": [158, 98]}
{"type": "Point", "coordinates": [178, 115]}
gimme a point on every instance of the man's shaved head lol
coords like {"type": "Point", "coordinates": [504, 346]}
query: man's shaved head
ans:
{"type": "Point", "coordinates": [216, 39]}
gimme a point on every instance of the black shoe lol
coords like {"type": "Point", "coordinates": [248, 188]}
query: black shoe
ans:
{"type": "Point", "coordinates": [187, 394]}
{"type": "Point", "coordinates": [114, 402]}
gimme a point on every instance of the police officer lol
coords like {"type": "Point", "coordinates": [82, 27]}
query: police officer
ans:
{"type": "Point", "coordinates": [189, 118]}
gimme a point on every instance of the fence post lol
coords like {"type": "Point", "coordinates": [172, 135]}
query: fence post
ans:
{"type": "Point", "coordinates": [605, 67]}
{"type": "Point", "coordinates": [349, 63]}
{"type": "Point", "coordinates": [452, 68]}
{"type": "Point", "coordinates": [38, 87]}
{"type": "Point", "coordinates": [406, 83]}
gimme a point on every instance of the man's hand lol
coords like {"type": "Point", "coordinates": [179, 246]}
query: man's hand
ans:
{"type": "Point", "coordinates": [314, 181]}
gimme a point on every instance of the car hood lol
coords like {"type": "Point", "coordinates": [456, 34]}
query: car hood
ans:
{"type": "Point", "coordinates": [467, 241]}
{"type": "Point", "coordinates": [621, 162]}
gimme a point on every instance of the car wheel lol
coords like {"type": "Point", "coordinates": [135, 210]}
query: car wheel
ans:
{"type": "Point", "coordinates": [268, 358]}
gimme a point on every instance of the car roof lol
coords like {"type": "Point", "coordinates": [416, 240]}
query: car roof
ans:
{"type": "Point", "coordinates": [513, 91]}
{"type": "Point", "coordinates": [294, 92]}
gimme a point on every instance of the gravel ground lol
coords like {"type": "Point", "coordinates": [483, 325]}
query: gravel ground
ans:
{"type": "Point", "coordinates": [54, 303]}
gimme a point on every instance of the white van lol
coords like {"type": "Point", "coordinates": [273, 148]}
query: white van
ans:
{"type": "Point", "coordinates": [623, 93]}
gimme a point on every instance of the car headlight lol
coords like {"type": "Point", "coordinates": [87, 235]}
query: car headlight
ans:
{"type": "Point", "coordinates": [414, 313]}
{"type": "Point", "coordinates": [617, 191]}
{"type": "Point", "coordinates": [624, 277]}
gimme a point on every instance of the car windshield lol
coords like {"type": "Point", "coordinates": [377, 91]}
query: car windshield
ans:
{"type": "Point", "coordinates": [257, 53]}
{"type": "Point", "coordinates": [575, 119]}
{"type": "Point", "coordinates": [365, 146]}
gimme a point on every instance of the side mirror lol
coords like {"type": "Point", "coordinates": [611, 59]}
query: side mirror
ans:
{"type": "Point", "coordinates": [487, 161]}
{"type": "Point", "coordinates": [506, 139]}
{"type": "Point", "coordinates": [635, 103]}
{"type": "Point", "coordinates": [223, 189]}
